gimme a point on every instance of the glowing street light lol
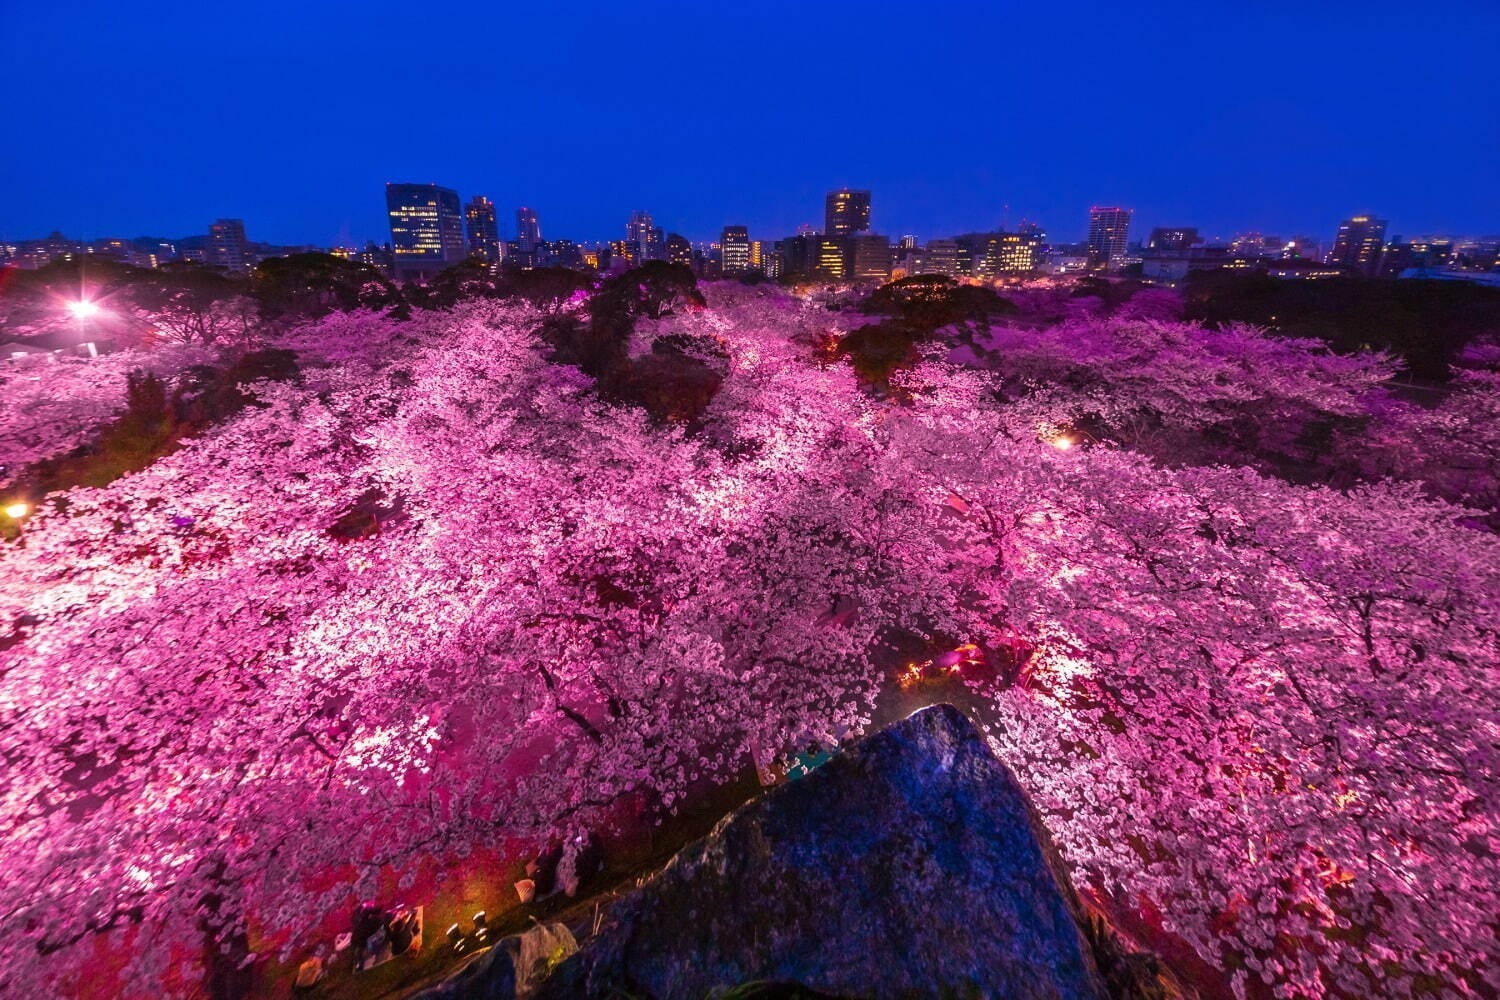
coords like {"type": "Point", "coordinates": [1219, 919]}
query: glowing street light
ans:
{"type": "Point", "coordinates": [16, 511]}
{"type": "Point", "coordinates": [83, 309]}
{"type": "Point", "coordinates": [1062, 442]}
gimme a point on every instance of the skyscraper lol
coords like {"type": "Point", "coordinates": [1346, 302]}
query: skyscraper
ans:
{"type": "Point", "coordinates": [227, 247]}
{"type": "Point", "coordinates": [1358, 244]}
{"type": "Point", "coordinates": [427, 229]}
{"type": "Point", "coordinates": [646, 235]}
{"type": "Point", "coordinates": [846, 212]}
{"type": "Point", "coordinates": [528, 230]}
{"type": "Point", "coordinates": [1109, 229]}
{"type": "Point", "coordinates": [484, 230]}
{"type": "Point", "coordinates": [735, 244]}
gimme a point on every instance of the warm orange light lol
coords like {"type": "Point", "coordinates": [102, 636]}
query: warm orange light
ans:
{"type": "Point", "coordinates": [1063, 443]}
{"type": "Point", "coordinates": [17, 510]}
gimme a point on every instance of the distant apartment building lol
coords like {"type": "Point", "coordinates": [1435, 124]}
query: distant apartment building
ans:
{"type": "Point", "coordinates": [1109, 232]}
{"type": "Point", "coordinates": [427, 229]}
{"type": "Point", "coordinates": [646, 235]}
{"type": "Point", "coordinates": [679, 250]}
{"type": "Point", "coordinates": [227, 249]}
{"type": "Point", "coordinates": [1359, 244]}
{"type": "Point", "coordinates": [528, 244]}
{"type": "Point", "coordinates": [734, 251]}
{"type": "Point", "coordinates": [846, 212]}
{"type": "Point", "coordinates": [484, 230]}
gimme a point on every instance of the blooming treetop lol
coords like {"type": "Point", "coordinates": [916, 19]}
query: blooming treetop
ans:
{"type": "Point", "coordinates": [442, 581]}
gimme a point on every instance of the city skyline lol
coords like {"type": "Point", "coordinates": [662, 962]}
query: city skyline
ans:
{"type": "Point", "coordinates": [1224, 121]}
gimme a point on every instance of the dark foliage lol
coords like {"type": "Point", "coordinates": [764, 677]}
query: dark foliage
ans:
{"type": "Point", "coordinates": [927, 302]}
{"type": "Point", "coordinates": [470, 279]}
{"type": "Point", "coordinates": [879, 349]}
{"type": "Point", "coordinates": [1427, 323]}
{"type": "Point", "coordinates": [315, 284]}
{"type": "Point", "coordinates": [655, 289]}
{"type": "Point", "coordinates": [547, 288]}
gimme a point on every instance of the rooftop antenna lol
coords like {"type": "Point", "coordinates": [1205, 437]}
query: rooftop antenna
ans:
{"type": "Point", "coordinates": [1005, 219]}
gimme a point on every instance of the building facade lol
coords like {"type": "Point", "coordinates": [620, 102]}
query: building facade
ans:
{"type": "Point", "coordinates": [1109, 232]}
{"type": "Point", "coordinates": [427, 229]}
{"type": "Point", "coordinates": [846, 212]}
{"type": "Point", "coordinates": [484, 230]}
{"type": "Point", "coordinates": [1173, 239]}
{"type": "Point", "coordinates": [868, 258]}
{"type": "Point", "coordinates": [1359, 244]}
{"type": "Point", "coordinates": [735, 251]}
{"type": "Point", "coordinates": [227, 247]}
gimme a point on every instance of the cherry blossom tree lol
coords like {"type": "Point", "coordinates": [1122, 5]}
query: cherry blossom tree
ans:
{"type": "Point", "coordinates": [51, 404]}
{"type": "Point", "coordinates": [441, 593]}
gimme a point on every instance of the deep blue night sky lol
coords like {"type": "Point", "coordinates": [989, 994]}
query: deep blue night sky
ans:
{"type": "Point", "coordinates": [131, 119]}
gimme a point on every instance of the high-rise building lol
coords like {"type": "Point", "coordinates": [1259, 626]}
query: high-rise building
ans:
{"type": "Point", "coordinates": [831, 257]}
{"type": "Point", "coordinates": [799, 254]}
{"type": "Point", "coordinates": [484, 230]}
{"type": "Point", "coordinates": [846, 212]}
{"type": "Point", "coordinates": [941, 257]}
{"type": "Point", "coordinates": [528, 230]}
{"type": "Point", "coordinates": [1173, 239]}
{"type": "Point", "coordinates": [909, 242]}
{"type": "Point", "coordinates": [735, 250]}
{"type": "Point", "coordinates": [991, 255]}
{"type": "Point", "coordinates": [646, 235]}
{"type": "Point", "coordinates": [679, 250]}
{"type": "Point", "coordinates": [227, 247]}
{"type": "Point", "coordinates": [868, 258]}
{"type": "Point", "coordinates": [771, 262]}
{"type": "Point", "coordinates": [1109, 229]}
{"type": "Point", "coordinates": [1012, 253]}
{"type": "Point", "coordinates": [427, 229]}
{"type": "Point", "coordinates": [1358, 245]}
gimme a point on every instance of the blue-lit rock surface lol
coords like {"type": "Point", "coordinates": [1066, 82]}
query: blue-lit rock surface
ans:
{"type": "Point", "coordinates": [910, 865]}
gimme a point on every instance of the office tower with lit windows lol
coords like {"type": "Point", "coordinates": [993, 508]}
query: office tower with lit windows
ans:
{"type": "Point", "coordinates": [831, 257]}
{"type": "Point", "coordinates": [427, 229]}
{"type": "Point", "coordinates": [227, 248]}
{"type": "Point", "coordinates": [528, 230]}
{"type": "Point", "coordinates": [846, 212]}
{"type": "Point", "coordinates": [1012, 253]}
{"type": "Point", "coordinates": [484, 230]}
{"type": "Point", "coordinates": [1359, 244]}
{"type": "Point", "coordinates": [941, 257]}
{"type": "Point", "coordinates": [646, 235]}
{"type": "Point", "coordinates": [735, 250]}
{"type": "Point", "coordinates": [679, 250]}
{"type": "Point", "coordinates": [1173, 239]}
{"type": "Point", "coordinates": [1109, 230]}
{"type": "Point", "coordinates": [868, 258]}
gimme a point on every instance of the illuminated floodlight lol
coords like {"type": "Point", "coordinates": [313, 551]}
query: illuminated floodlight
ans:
{"type": "Point", "coordinates": [17, 510]}
{"type": "Point", "coordinates": [1062, 442]}
{"type": "Point", "coordinates": [83, 309]}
